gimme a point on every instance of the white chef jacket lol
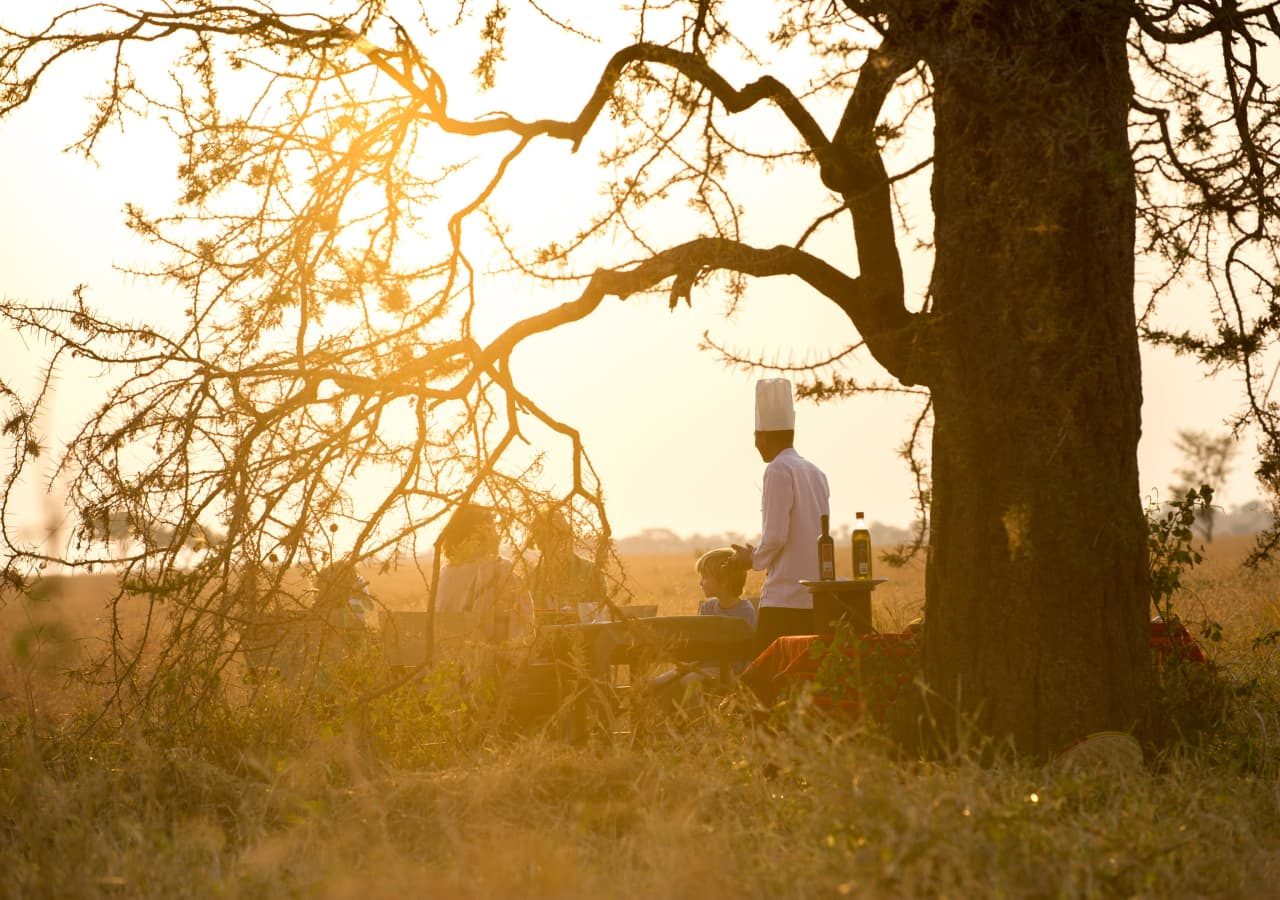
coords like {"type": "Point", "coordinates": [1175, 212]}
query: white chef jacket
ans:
{"type": "Point", "coordinates": [795, 497]}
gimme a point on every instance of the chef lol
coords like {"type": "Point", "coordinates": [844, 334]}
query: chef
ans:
{"type": "Point", "coordinates": [795, 497]}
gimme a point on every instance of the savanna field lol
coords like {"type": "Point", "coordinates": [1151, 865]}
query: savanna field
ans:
{"type": "Point", "coordinates": [426, 796]}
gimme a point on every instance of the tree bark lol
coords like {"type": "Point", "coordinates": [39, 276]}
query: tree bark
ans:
{"type": "Point", "coordinates": [1037, 582]}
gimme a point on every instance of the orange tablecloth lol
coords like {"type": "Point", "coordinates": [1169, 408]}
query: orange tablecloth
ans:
{"type": "Point", "coordinates": [1175, 641]}
{"type": "Point", "coordinates": [885, 665]}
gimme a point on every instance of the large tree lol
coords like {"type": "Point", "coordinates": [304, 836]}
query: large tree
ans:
{"type": "Point", "coordinates": [319, 149]}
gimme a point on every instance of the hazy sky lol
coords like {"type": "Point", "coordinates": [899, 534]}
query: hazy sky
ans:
{"type": "Point", "coordinates": [668, 426]}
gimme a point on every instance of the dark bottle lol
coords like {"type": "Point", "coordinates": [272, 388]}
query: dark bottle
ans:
{"type": "Point", "coordinates": [826, 553]}
{"type": "Point", "coordinates": [861, 549]}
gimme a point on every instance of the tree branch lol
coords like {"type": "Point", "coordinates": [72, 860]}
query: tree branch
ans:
{"type": "Point", "coordinates": [691, 65]}
{"type": "Point", "coordinates": [684, 264]}
{"type": "Point", "coordinates": [855, 169]}
{"type": "Point", "coordinates": [1226, 17]}
{"type": "Point", "coordinates": [884, 327]}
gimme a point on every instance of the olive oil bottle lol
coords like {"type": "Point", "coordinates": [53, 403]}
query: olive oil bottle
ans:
{"type": "Point", "coordinates": [861, 549]}
{"type": "Point", "coordinates": [826, 552]}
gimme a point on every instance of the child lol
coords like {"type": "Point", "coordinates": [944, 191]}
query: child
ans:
{"type": "Point", "coordinates": [722, 585]}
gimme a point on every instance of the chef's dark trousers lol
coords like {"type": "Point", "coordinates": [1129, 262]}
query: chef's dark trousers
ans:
{"type": "Point", "coordinates": [775, 621]}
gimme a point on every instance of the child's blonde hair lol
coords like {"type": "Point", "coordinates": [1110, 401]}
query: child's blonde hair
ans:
{"type": "Point", "coordinates": [718, 564]}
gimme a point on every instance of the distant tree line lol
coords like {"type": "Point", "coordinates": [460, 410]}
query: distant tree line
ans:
{"type": "Point", "coordinates": [664, 540]}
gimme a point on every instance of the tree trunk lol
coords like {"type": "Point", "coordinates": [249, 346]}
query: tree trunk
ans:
{"type": "Point", "coordinates": [1037, 581]}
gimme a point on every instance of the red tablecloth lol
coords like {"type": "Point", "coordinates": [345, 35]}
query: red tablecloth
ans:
{"type": "Point", "coordinates": [883, 666]}
{"type": "Point", "coordinates": [880, 666]}
{"type": "Point", "coordinates": [1175, 641]}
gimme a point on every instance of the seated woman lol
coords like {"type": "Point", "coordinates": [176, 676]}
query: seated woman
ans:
{"type": "Point", "coordinates": [561, 578]}
{"type": "Point", "coordinates": [479, 597]}
{"type": "Point", "coordinates": [343, 595]}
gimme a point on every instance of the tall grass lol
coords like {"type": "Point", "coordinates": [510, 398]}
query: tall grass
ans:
{"type": "Point", "coordinates": [295, 796]}
{"type": "Point", "coordinates": [720, 811]}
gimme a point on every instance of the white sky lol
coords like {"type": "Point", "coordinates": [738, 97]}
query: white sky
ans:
{"type": "Point", "coordinates": [668, 427]}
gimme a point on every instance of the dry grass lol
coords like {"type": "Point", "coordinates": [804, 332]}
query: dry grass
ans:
{"type": "Point", "coordinates": [716, 808]}
{"type": "Point", "coordinates": [70, 618]}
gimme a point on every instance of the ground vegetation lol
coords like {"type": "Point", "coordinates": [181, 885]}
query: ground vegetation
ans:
{"type": "Point", "coordinates": [289, 797]}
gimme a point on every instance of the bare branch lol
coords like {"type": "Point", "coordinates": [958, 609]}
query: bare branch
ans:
{"type": "Point", "coordinates": [1227, 17]}
{"type": "Point", "coordinates": [691, 65]}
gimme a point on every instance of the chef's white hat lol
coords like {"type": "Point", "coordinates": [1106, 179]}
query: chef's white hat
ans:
{"type": "Point", "coordinates": [774, 411]}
